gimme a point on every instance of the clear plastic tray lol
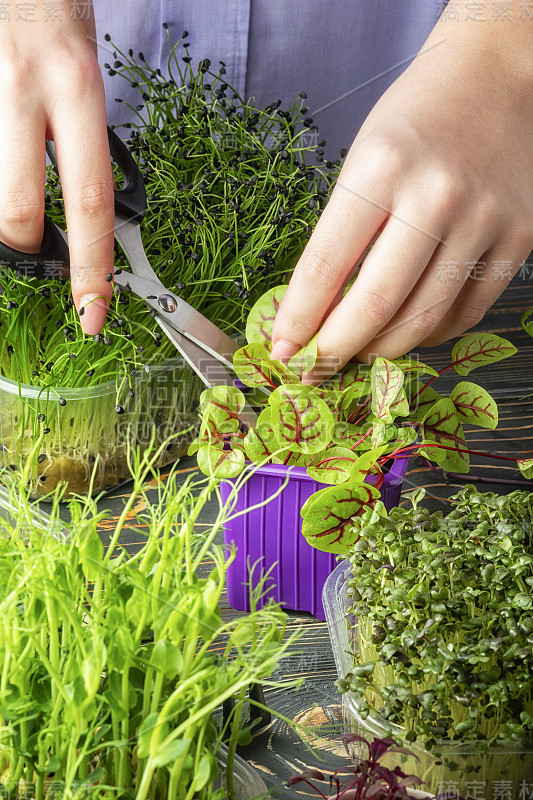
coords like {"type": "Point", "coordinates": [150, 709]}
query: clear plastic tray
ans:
{"type": "Point", "coordinates": [87, 442]}
{"type": "Point", "coordinates": [505, 772]}
{"type": "Point", "coordinates": [40, 520]}
{"type": "Point", "coordinates": [247, 784]}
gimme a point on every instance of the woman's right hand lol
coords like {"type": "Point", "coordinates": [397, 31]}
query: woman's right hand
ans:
{"type": "Point", "coordinates": [51, 88]}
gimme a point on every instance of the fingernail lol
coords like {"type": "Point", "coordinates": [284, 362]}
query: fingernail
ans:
{"type": "Point", "coordinates": [284, 350]}
{"type": "Point", "coordinates": [93, 308]}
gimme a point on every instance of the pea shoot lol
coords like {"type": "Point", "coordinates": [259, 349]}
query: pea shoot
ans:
{"type": "Point", "coordinates": [115, 665]}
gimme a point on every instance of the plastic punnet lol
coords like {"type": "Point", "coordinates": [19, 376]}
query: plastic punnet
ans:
{"type": "Point", "coordinates": [456, 767]}
{"type": "Point", "coordinates": [269, 538]}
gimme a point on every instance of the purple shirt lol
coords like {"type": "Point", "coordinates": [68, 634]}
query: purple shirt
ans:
{"type": "Point", "coordinates": [343, 53]}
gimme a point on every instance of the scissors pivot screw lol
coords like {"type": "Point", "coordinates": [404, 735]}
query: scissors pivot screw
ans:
{"type": "Point", "coordinates": [167, 302]}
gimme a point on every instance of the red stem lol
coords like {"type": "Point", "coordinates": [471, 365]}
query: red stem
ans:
{"type": "Point", "coordinates": [445, 447]}
{"type": "Point", "coordinates": [362, 439]}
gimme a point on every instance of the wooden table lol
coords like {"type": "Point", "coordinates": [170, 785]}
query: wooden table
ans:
{"type": "Point", "coordinates": [276, 750]}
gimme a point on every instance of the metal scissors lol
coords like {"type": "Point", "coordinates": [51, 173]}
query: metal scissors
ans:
{"type": "Point", "coordinates": [207, 349]}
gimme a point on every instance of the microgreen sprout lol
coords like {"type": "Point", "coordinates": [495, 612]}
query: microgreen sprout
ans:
{"type": "Point", "coordinates": [115, 665]}
{"type": "Point", "coordinates": [369, 777]}
{"type": "Point", "coordinates": [444, 637]}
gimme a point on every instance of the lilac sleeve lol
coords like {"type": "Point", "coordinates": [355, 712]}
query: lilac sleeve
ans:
{"type": "Point", "coordinates": [343, 53]}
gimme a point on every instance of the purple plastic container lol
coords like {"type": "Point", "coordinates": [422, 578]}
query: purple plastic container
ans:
{"type": "Point", "coordinates": [272, 537]}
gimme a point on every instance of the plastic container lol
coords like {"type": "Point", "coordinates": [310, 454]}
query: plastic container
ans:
{"type": "Point", "coordinates": [504, 772]}
{"type": "Point", "coordinates": [87, 439]}
{"type": "Point", "coordinates": [269, 538]}
{"type": "Point", "coordinates": [247, 784]}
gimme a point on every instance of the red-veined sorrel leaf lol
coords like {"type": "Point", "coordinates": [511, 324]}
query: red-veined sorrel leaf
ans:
{"type": "Point", "coordinates": [261, 317]}
{"type": "Point", "coordinates": [477, 349]}
{"type": "Point", "coordinates": [330, 397]}
{"type": "Point", "coordinates": [441, 426]}
{"type": "Point", "coordinates": [254, 368]}
{"type": "Point", "coordinates": [293, 459]}
{"type": "Point", "coordinates": [409, 364]}
{"type": "Point", "coordinates": [387, 381]}
{"type": "Point", "coordinates": [400, 406]}
{"type": "Point", "coordinates": [305, 359]}
{"type": "Point", "coordinates": [525, 465]}
{"type": "Point", "coordinates": [354, 437]}
{"type": "Point", "coordinates": [404, 437]}
{"type": "Point", "coordinates": [208, 434]}
{"type": "Point", "coordinates": [423, 402]}
{"type": "Point", "coordinates": [356, 378]}
{"type": "Point", "coordinates": [364, 463]}
{"type": "Point", "coordinates": [332, 466]}
{"type": "Point", "coordinates": [473, 404]}
{"type": "Point", "coordinates": [527, 321]}
{"type": "Point", "coordinates": [327, 520]}
{"type": "Point", "coordinates": [222, 404]}
{"type": "Point", "coordinates": [381, 432]}
{"type": "Point", "coordinates": [224, 464]}
{"type": "Point", "coordinates": [300, 419]}
{"type": "Point", "coordinates": [260, 442]}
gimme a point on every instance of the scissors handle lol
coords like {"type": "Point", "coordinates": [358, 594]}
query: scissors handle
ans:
{"type": "Point", "coordinates": [53, 260]}
{"type": "Point", "coordinates": [131, 199]}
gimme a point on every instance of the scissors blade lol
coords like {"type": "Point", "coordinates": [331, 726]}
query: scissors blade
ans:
{"type": "Point", "coordinates": [186, 319]}
{"type": "Point", "coordinates": [180, 316]}
{"type": "Point", "coordinates": [208, 367]}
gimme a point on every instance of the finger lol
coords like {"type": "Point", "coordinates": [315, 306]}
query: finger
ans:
{"type": "Point", "coordinates": [87, 182]}
{"type": "Point", "coordinates": [388, 275]}
{"type": "Point", "coordinates": [479, 292]}
{"type": "Point", "coordinates": [345, 229]}
{"type": "Point", "coordinates": [421, 313]}
{"type": "Point", "coordinates": [22, 174]}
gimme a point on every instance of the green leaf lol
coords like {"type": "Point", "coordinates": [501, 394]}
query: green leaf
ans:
{"type": "Point", "coordinates": [327, 520]}
{"type": "Point", "coordinates": [404, 437]}
{"type": "Point", "coordinates": [300, 419]}
{"type": "Point", "coordinates": [356, 378]}
{"type": "Point", "coordinates": [387, 381]}
{"type": "Point", "coordinates": [364, 464]}
{"type": "Point", "coordinates": [223, 464]}
{"type": "Point", "coordinates": [93, 665]}
{"type": "Point", "coordinates": [381, 432]}
{"type": "Point", "coordinates": [145, 734]}
{"type": "Point", "coordinates": [305, 359]}
{"type": "Point", "coordinates": [222, 404]}
{"type": "Point", "coordinates": [167, 658]}
{"type": "Point", "coordinates": [525, 465]}
{"type": "Point", "coordinates": [352, 436]}
{"type": "Point", "coordinates": [441, 426]}
{"type": "Point", "coordinates": [254, 367]}
{"type": "Point", "coordinates": [175, 749]}
{"type": "Point", "coordinates": [400, 406]}
{"type": "Point", "coordinates": [420, 406]}
{"type": "Point", "coordinates": [331, 397]}
{"type": "Point", "coordinates": [91, 554]}
{"type": "Point", "coordinates": [261, 317]}
{"type": "Point", "coordinates": [206, 767]}
{"type": "Point", "coordinates": [527, 321]}
{"type": "Point", "coordinates": [474, 405]}
{"type": "Point", "coordinates": [260, 442]}
{"type": "Point", "coordinates": [410, 364]}
{"type": "Point", "coordinates": [332, 466]}
{"type": "Point", "coordinates": [479, 349]}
